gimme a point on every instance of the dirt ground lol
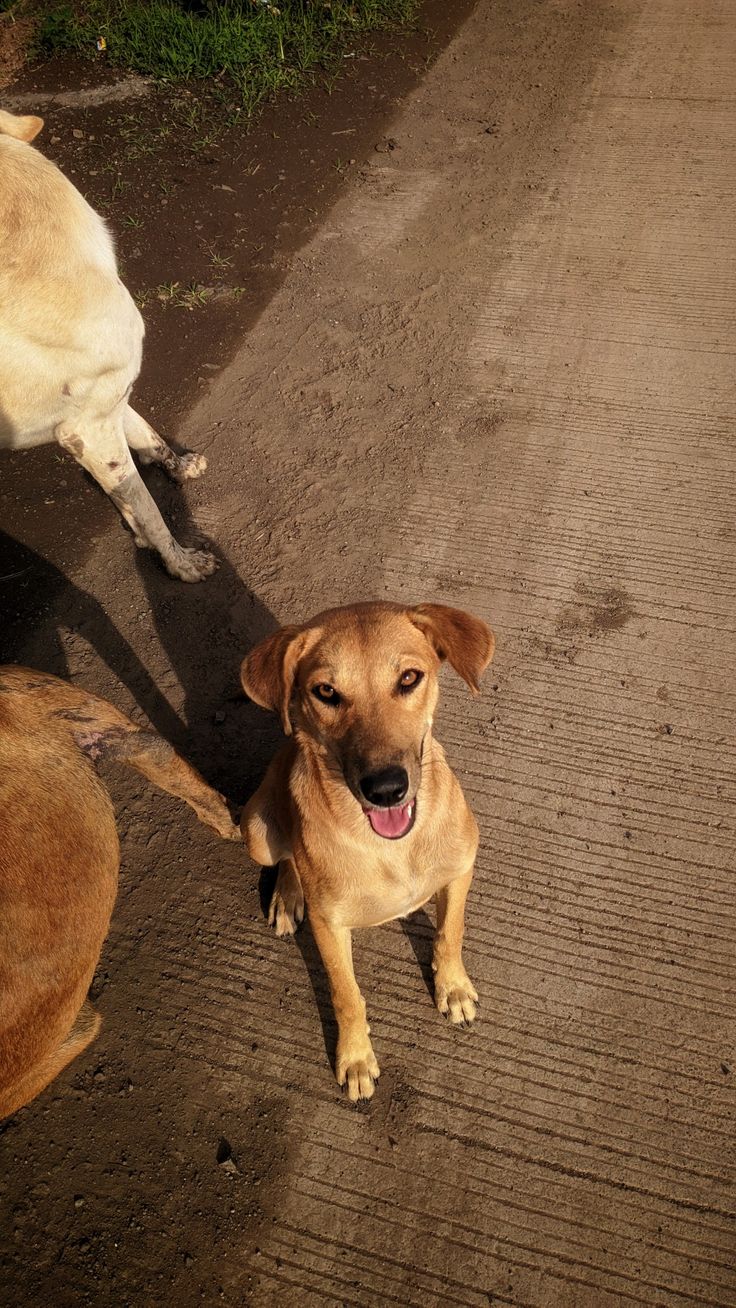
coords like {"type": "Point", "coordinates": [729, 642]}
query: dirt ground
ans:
{"type": "Point", "coordinates": [477, 348]}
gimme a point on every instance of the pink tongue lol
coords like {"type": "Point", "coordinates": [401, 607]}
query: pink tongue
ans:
{"type": "Point", "coordinates": [390, 822]}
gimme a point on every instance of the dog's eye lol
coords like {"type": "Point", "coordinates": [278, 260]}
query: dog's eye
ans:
{"type": "Point", "coordinates": [409, 680]}
{"type": "Point", "coordinates": [327, 694]}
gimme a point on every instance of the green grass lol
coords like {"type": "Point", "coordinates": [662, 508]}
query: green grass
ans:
{"type": "Point", "coordinates": [255, 47]}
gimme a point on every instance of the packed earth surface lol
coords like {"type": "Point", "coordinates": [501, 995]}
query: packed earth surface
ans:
{"type": "Point", "coordinates": [456, 327]}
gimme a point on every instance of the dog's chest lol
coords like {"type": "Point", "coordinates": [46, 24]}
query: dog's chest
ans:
{"type": "Point", "coordinates": [384, 889]}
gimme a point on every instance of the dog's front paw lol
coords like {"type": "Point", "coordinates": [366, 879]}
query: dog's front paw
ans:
{"type": "Point", "coordinates": [191, 565]}
{"type": "Point", "coordinates": [455, 995]}
{"type": "Point", "coordinates": [286, 911]}
{"type": "Point", "coordinates": [189, 465]}
{"type": "Point", "coordinates": [357, 1068]}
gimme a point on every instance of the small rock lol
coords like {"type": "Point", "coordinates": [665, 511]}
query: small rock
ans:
{"type": "Point", "coordinates": [78, 1201]}
{"type": "Point", "coordinates": [220, 716]}
{"type": "Point", "coordinates": [224, 1156]}
{"type": "Point", "coordinates": [78, 136]}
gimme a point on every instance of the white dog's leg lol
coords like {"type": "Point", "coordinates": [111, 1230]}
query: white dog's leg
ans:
{"type": "Point", "coordinates": [152, 448]}
{"type": "Point", "coordinates": [101, 448]}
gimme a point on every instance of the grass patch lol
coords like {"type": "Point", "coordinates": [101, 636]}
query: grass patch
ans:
{"type": "Point", "coordinates": [194, 296]}
{"type": "Point", "coordinates": [255, 46]}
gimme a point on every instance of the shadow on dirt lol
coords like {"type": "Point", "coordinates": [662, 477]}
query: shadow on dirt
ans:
{"type": "Point", "coordinates": [33, 596]}
{"type": "Point", "coordinates": [314, 967]}
{"type": "Point", "coordinates": [205, 630]}
{"type": "Point", "coordinates": [419, 930]}
{"type": "Point", "coordinates": [229, 739]}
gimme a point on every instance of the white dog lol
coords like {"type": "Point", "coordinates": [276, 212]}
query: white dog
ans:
{"type": "Point", "coordinates": [71, 340]}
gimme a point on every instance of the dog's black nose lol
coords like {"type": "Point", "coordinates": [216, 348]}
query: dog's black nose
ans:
{"type": "Point", "coordinates": [385, 789]}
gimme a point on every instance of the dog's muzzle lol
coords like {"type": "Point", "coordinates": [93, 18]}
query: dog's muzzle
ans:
{"type": "Point", "coordinates": [385, 791]}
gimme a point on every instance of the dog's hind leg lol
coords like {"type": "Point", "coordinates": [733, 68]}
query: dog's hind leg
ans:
{"type": "Point", "coordinates": [286, 910]}
{"type": "Point", "coordinates": [152, 448]}
{"type": "Point", "coordinates": [101, 448]}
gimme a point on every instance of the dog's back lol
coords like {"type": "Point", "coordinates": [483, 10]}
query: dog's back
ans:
{"type": "Point", "coordinates": [59, 855]}
{"type": "Point", "coordinates": [59, 858]}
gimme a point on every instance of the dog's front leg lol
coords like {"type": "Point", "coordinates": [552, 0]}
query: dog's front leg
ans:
{"type": "Point", "coordinates": [454, 992]}
{"type": "Point", "coordinates": [100, 446]}
{"type": "Point", "coordinates": [356, 1064]}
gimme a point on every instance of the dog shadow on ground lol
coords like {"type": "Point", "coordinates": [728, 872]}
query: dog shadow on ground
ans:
{"type": "Point", "coordinates": [419, 930]}
{"type": "Point", "coordinates": [38, 602]}
{"type": "Point", "coordinates": [204, 631]}
{"type": "Point", "coordinates": [313, 964]}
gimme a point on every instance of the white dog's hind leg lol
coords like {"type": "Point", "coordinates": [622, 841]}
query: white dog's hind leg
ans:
{"type": "Point", "coordinates": [152, 448]}
{"type": "Point", "coordinates": [101, 448]}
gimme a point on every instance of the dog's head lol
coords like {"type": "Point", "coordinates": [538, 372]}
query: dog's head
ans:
{"type": "Point", "coordinates": [359, 685]}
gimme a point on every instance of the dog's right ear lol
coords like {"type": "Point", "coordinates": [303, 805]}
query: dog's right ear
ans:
{"type": "Point", "coordinates": [22, 126]}
{"type": "Point", "coordinates": [269, 671]}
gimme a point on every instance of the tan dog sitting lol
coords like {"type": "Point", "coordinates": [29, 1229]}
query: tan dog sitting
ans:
{"type": "Point", "coordinates": [360, 808]}
{"type": "Point", "coordinates": [59, 857]}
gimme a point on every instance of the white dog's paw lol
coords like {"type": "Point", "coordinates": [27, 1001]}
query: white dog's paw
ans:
{"type": "Point", "coordinates": [357, 1069]}
{"type": "Point", "coordinates": [191, 564]}
{"type": "Point", "coordinates": [455, 996]}
{"type": "Point", "coordinates": [286, 911]}
{"type": "Point", "coordinates": [190, 465]}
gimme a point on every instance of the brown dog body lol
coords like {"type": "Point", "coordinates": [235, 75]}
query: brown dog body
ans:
{"type": "Point", "coordinates": [59, 857]}
{"type": "Point", "coordinates": [361, 808]}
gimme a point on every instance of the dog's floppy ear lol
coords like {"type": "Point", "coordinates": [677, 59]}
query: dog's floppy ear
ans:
{"type": "Point", "coordinates": [465, 641]}
{"type": "Point", "coordinates": [22, 126]}
{"type": "Point", "coordinates": [269, 671]}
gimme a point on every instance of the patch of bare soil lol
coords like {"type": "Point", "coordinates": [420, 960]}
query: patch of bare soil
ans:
{"type": "Point", "coordinates": [15, 37]}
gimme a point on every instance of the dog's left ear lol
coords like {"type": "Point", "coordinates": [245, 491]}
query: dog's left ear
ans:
{"type": "Point", "coordinates": [465, 641]}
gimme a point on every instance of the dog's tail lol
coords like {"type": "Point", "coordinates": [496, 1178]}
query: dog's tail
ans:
{"type": "Point", "coordinates": [22, 126]}
{"type": "Point", "coordinates": [100, 730]}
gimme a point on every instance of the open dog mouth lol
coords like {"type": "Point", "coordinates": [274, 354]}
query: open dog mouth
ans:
{"type": "Point", "coordinates": [392, 823]}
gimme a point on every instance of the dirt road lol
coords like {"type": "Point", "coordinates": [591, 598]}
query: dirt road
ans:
{"type": "Point", "coordinates": [499, 374]}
